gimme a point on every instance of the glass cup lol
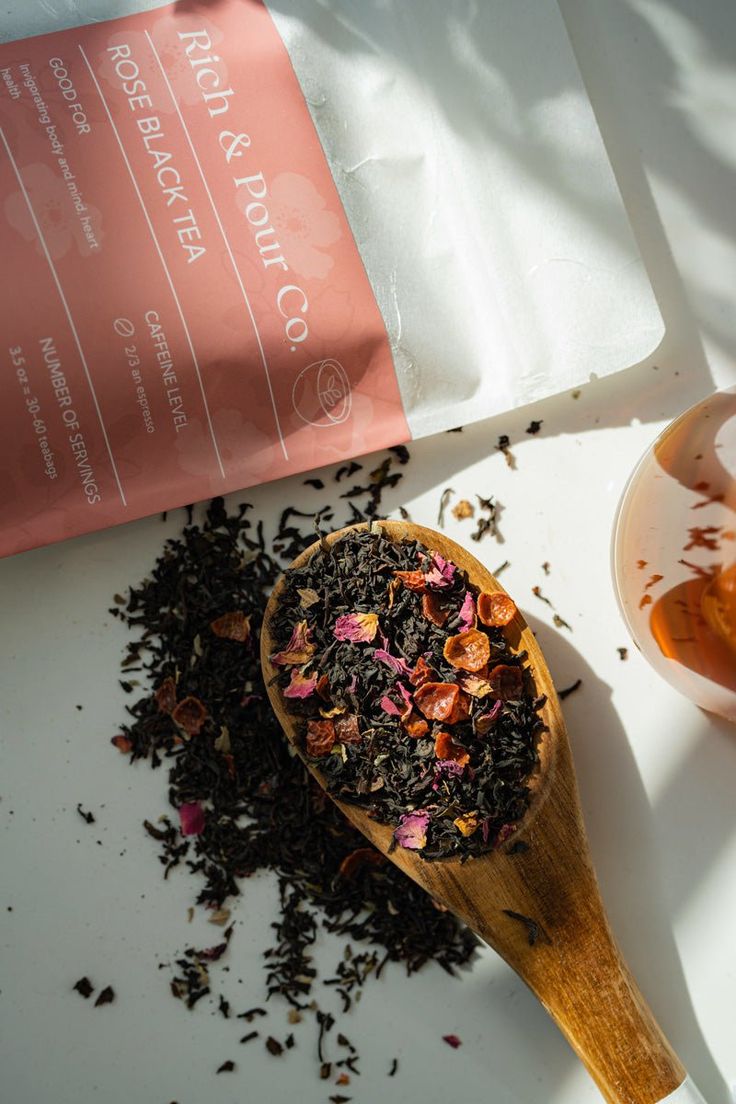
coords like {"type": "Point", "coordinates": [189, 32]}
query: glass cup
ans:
{"type": "Point", "coordinates": [674, 554]}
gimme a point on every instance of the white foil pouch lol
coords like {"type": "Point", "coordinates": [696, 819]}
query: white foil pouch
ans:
{"type": "Point", "coordinates": [241, 240]}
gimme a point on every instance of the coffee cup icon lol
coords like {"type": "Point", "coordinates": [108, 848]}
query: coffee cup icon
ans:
{"type": "Point", "coordinates": [321, 393]}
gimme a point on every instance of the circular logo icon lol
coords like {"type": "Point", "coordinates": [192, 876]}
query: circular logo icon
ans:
{"type": "Point", "coordinates": [321, 394]}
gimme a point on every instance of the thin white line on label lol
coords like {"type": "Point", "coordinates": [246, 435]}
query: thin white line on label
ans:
{"type": "Point", "coordinates": [225, 239]}
{"type": "Point", "coordinates": [72, 326]}
{"type": "Point", "coordinates": [160, 254]}
{"type": "Point", "coordinates": [686, 1093]}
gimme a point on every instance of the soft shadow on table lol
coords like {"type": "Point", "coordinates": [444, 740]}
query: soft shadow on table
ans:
{"type": "Point", "coordinates": [621, 828]}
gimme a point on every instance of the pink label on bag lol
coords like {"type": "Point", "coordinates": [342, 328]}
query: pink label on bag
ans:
{"type": "Point", "coordinates": [184, 310]}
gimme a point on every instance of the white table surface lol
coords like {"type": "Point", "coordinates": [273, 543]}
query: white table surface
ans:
{"type": "Point", "coordinates": [656, 774]}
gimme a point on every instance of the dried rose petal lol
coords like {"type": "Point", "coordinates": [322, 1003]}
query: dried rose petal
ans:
{"type": "Point", "coordinates": [299, 650]}
{"type": "Point", "coordinates": [389, 706]}
{"type": "Point", "coordinates": [347, 730]}
{"type": "Point", "coordinates": [467, 824]}
{"type": "Point", "coordinates": [446, 748]}
{"type": "Point", "coordinates": [411, 831]}
{"type": "Point", "coordinates": [422, 673]}
{"type": "Point", "coordinates": [397, 663]}
{"type": "Point", "coordinates": [191, 817]}
{"type": "Point", "coordinates": [441, 701]}
{"type": "Point", "coordinates": [469, 650]}
{"type": "Point", "coordinates": [507, 682]}
{"type": "Point", "coordinates": [496, 610]}
{"type": "Point", "coordinates": [412, 580]}
{"type": "Point", "coordinates": [360, 857]}
{"type": "Point", "coordinates": [122, 743]}
{"type": "Point", "coordinates": [415, 726]}
{"type": "Point", "coordinates": [190, 714]}
{"type": "Point", "coordinates": [446, 768]}
{"type": "Point", "coordinates": [441, 572]}
{"type": "Point", "coordinates": [232, 626]}
{"type": "Point", "coordinates": [300, 686]}
{"type": "Point", "coordinates": [433, 609]}
{"type": "Point", "coordinates": [358, 628]}
{"type": "Point", "coordinates": [166, 695]}
{"type": "Point", "coordinates": [452, 1040]}
{"type": "Point", "coordinates": [467, 611]}
{"type": "Point", "coordinates": [321, 738]}
{"type": "Point", "coordinates": [485, 721]}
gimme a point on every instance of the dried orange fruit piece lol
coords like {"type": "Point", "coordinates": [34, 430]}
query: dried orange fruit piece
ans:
{"type": "Point", "coordinates": [469, 650]}
{"type": "Point", "coordinates": [433, 610]}
{"type": "Point", "coordinates": [321, 737]}
{"type": "Point", "coordinates": [438, 701]}
{"type": "Point", "coordinates": [412, 580]}
{"type": "Point", "coordinates": [506, 682]}
{"type": "Point", "coordinates": [446, 748]}
{"type": "Point", "coordinates": [232, 626]}
{"type": "Point", "coordinates": [496, 610]}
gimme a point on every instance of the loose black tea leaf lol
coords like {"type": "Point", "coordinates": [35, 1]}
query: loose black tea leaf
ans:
{"type": "Point", "coordinates": [537, 592]}
{"type": "Point", "coordinates": [251, 1035]}
{"type": "Point", "coordinates": [84, 987]}
{"type": "Point", "coordinates": [316, 483]}
{"type": "Point", "coordinates": [534, 427]}
{"type": "Point", "coordinates": [107, 996]}
{"type": "Point", "coordinates": [488, 523]}
{"type": "Point", "coordinates": [562, 694]}
{"type": "Point", "coordinates": [561, 623]}
{"type": "Point", "coordinates": [546, 567]}
{"type": "Point", "coordinates": [501, 567]}
{"type": "Point", "coordinates": [504, 443]}
{"type": "Point", "coordinates": [274, 1046]}
{"type": "Point", "coordinates": [401, 452]}
{"type": "Point", "coordinates": [394, 1067]}
{"type": "Point", "coordinates": [226, 1067]}
{"type": "Point", "coordinates": [246, 782]}
{"type": "Point", "coordinates": [409, 710]}
{"type": "Point", "coordinates": [532, 927]}
{"type": "Point", "coordinates": [87, 817]}
{"type": "Point", "coordinates": [444, 500]}
{"type": "Point", "coordinates": [623, 653]}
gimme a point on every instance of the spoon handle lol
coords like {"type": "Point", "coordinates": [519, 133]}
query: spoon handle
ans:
{"type": "Point", "coordinates": [544, 915]}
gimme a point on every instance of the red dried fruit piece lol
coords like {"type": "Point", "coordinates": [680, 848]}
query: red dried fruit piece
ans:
{"type": "Point", "coordinates": [469, 650]}
{"type": "Point", "coordinates": [452, 1040]}
{"type": "Point", "coordinates": [360, 857]}
{"type": "Point", "coordinates": [415, 726]}
{"type": "Point", "coordinates": [442, 701]}
{"type": "Point", "coordinates": [122, 743]}
{"type": "Point", "coordinates": [166, 695]}
{"type": "Point", "coordinates": [346, 729]}
{"type": "Point", "coordinates": [232, 626]}
{"type": "Point", "coordinates": [433, 609]}
{"type": "Point", "coordinates": [446, 748]}
{"type": "Point", "coordinates": [496, 610]}
{"type": "Point", "coordinates": [323, 688]}
{"type": "Point", "coordinates": [190, 715]}
{"type": "Point", "coordinates": [321, 738]}
{"type": "Point", "coordinates": [506, 682]}
{"type": "Point", "coordinates": [422, 673]}
{"type": "Point", "coordinates": [412, 580]}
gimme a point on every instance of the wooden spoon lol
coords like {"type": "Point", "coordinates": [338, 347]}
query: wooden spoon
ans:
{"type": "Point", "coordinates": [573, 964]}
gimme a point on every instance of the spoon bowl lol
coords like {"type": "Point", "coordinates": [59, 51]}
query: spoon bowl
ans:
{"type": "Point", "coordinates": [535, 899]}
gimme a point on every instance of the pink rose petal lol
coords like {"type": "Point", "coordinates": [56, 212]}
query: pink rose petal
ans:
{"type": "Point", "coordinates": [191, 817]}
{"type": "Point", "coordinates": [397, 663]}
{"type": "Point", "coordinates": [467, 612]}
{"type": "Point", "coordinates": [485, 721]}
{"type": "Point", "coordinates": [389, 706]}
{"type": "Point", "coordinates": [300, 686]}
{"type": "Point", "coordinates": [299, 649]}
{"type": "Point", "coordinates": [452, 1040]}
{"type": "Point", "coordinates": [356, 627]}
{"type": "Point", "coordinates": [441, 572]}
{"type": "Point", "coordinates": [450, 768]}
{"type": "Point", "coordinates": [411, 832]}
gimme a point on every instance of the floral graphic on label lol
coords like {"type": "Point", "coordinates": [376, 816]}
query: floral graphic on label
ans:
{"type": "Point", "coordinates": [321, 394]}
{"type": "Point", "coordinates": [63, 215]}
{"type": "Point", "coordinates": [129, 58]}
{"type": "Point", "coordinates": [303, 224]}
